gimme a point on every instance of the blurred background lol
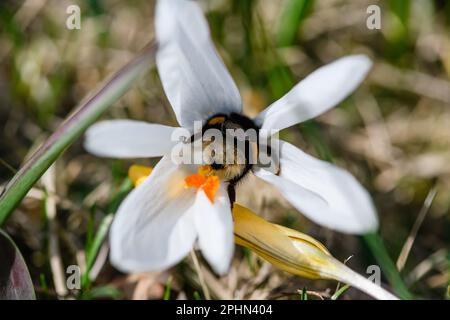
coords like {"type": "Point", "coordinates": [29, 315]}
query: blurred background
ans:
{"type": "Point", "coordinates": [393, 134]}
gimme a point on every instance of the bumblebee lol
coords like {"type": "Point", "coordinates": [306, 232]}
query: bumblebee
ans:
{"type": "Point", "coordinates": [237, 157]}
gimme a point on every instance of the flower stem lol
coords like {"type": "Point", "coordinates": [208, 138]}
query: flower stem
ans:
{"type": "Point", "coordinates": [376, 245]}
{"type": "Point", "coordinates": [356, 280]}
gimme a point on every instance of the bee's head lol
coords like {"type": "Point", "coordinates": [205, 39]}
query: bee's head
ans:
{"type": "Point", "coordinates": [230, 145]}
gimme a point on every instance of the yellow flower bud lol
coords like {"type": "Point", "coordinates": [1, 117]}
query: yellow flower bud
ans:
{"type": "Point", "coordinates": [295, 252]}
{"type": "Point", "coordinates": [138, 174]}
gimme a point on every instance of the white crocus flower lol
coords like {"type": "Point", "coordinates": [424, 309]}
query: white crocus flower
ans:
{"type": "Point", "coordinates": [159, 222]}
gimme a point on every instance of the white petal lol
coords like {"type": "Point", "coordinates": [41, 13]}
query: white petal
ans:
{"type": "Point", "coordinates": [326, 194]}
{"type": "Point", "coordinates": [194, 77]}
{"type": "Point", "coordinates": [214, 225]}
{"type": "Point", "coordinates": [154, 227]}
{"type": "Point", "coordinates": [128, 139]}
{"type": "Point", "coordinates": [317, 93]}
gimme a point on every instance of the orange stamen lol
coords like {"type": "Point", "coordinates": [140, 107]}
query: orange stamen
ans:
{"type": "Point", "coordinates": [195, 180]}
{"type": "Point", "coordinates": [210, 187]}
{"type": "Point", "coordinates": [200, 180]}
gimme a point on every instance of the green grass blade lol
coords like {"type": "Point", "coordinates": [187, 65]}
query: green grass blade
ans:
{"type": "Point", "coordinates": [125, 187]}
{"type": "Point", "coordinates": [103, 292]}
{"type": "Point", "coordinates": [292, 17]}
{"type": "Point", "coordinates": [168, 289]}
{"type": "Point", "coordinates": [197, 296]}
{"type": "Point", "coordinates": [96, 245]}
{"type": "Point", "coordinates": [85, 115]}
{"type": "Point", "coordinates": [339, 292]}
{"type": "Point", "coordinates": [402, 9]}
{"type": "Point", "coordinates": [388, 267]}
{"type": "Point", "coordinates": [102, 232]}
{"type": "Point", "coordinates": [304, 294]}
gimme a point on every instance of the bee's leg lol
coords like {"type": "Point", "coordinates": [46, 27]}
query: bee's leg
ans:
{"type": "Point", "coordinates": [275, 165]}
{"type": "Point", "coordinates": [231, 193]}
